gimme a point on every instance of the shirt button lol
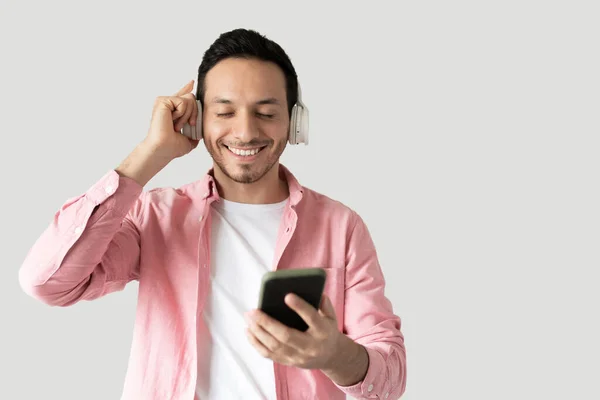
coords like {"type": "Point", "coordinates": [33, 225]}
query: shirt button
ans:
{"type": "Point", "coordinates": [78, 230]}
{"type": "Point", "coordinates": [387, 395]}
{"type": "Point", "coordinates": [108, 189]}
{"type": "Point", "coordinates": [370, 388]}
{"type": "Point", "coordinates": [200, 218]}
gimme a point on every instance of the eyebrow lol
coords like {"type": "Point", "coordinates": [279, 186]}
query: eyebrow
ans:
{"type": "Point", "coordinates": [223, 100]}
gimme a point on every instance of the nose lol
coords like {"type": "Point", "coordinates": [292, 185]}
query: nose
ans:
{"type": "Point", "coordinates": [245, 127]}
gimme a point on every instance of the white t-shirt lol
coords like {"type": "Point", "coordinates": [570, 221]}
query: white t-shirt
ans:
{"type": "Point", "coordinates": [242, 248]}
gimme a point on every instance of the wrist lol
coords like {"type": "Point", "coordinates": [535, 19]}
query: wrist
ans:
{"type": "Point", "coordinates": [151, 152]}
{"type": "Point", "coordinates": [349, 362]}
{"type": "Point", "coordinates": [338, 352]}
{"type": "Point", "coordinates": [143, 163]}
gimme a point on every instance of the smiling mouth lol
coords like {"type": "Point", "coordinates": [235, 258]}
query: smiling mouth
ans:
{"type": "Point", "coordinates": [245, 152]}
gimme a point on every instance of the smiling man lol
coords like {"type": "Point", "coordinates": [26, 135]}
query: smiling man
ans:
{"type": "Point", "coordinates": [199, 251]}
{"type": "Point", "coordinates": [246, 126]}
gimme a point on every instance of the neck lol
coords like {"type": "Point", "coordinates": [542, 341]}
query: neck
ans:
{"type": "Point", "coordinates": [267, 190]}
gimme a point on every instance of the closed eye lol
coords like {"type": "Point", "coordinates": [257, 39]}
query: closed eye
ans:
{"type": "Point", "coordinates": [229, 114]}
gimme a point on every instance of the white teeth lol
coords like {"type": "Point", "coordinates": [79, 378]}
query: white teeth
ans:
{"type": "Point", "coordinates": [243, 152]}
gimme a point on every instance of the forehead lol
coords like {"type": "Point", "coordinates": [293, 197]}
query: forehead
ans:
{"type": "Point", "coordinates": [241, 79]}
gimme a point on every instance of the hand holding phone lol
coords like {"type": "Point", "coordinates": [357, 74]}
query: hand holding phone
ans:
{"type": "Point", "coordinates": [295, 344]}
{"type": "Point", "coordinates": [308, 283]}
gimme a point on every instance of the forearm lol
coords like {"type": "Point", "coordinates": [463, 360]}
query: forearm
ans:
{"type": "Point", "coordinates": [142, 164]}
{"type": "Point", "coordinates": [350, 364]}
{"type": "Point", "coordinates": [64, 257]}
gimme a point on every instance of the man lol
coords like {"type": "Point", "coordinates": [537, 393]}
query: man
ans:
{"type": "Point", "coordinates": [199, 251]}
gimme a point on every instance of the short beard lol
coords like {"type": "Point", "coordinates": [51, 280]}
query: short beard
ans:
{"type": "Point", "coordinates": [248, 176]}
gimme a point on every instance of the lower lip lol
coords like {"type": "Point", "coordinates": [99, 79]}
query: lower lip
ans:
{"type": "Point", "coordinates": [244, 158]}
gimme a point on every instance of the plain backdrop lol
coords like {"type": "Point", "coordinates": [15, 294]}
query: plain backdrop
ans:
{"type": "Point", "coordinates": [465, 133]}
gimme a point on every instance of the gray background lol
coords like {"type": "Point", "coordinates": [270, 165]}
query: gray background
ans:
{"type": "Point", "coordinates": [465, 133]}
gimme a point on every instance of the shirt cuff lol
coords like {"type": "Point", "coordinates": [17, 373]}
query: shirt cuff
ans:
{"type": "Point", "coordinates": [119, 192]}
{"type": "Point", "coordinates": [372, 384]}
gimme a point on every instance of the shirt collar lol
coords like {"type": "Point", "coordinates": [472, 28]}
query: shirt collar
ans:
{"type": "Point", "coordinates": [206, 187]}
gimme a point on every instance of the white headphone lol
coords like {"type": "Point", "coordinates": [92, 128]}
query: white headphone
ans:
{"type": "Point", "coordinates": [298, 129]}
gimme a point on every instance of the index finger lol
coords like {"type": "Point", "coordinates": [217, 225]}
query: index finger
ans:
{"type": "Point", "coordinates": [186, 89]}
{"type": "Point", "coordinates": [281, 332]}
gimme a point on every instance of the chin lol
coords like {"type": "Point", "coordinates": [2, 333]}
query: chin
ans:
{"type": "Point", "coordinates": [246, 173]}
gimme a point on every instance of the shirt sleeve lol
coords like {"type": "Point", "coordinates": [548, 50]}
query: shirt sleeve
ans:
{"type": "Point", "coordinates": [90, 248]}
{"type": "Point", "coordinates": [369, 320]}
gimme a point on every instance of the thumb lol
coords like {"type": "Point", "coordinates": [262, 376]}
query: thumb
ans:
{"type": "Point", "coordinates": [186, 89]}
{"type": "Point", "coordinates": [326, 308]}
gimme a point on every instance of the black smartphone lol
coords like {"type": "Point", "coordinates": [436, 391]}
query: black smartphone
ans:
{"type": "Point", "coordinates": [307, 283]}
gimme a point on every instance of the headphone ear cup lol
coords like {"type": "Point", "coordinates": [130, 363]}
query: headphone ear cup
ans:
{"type": "Point", "coordinates": [199, 119]}
{"type": "Point", "coordinates": [194, 132]}
{"type": "Point", "coordinates": [303, 127]}
{"type": "Point", "coordinates": [300, 127]}
{"type": "Point", "coordinates": [292, 130]}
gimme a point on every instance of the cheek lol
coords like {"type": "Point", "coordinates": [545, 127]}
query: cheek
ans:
{"type": "Point", "coordinates": [278, 132]}
{"type": "Point", "coordinates": [213, 132]}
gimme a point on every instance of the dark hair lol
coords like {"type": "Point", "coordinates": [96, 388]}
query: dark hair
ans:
{"type": "Point", "coordinates": [246, 43]}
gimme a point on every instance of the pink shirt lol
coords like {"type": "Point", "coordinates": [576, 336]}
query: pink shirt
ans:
{"type": "Point", "coordinates": [115, 233]}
